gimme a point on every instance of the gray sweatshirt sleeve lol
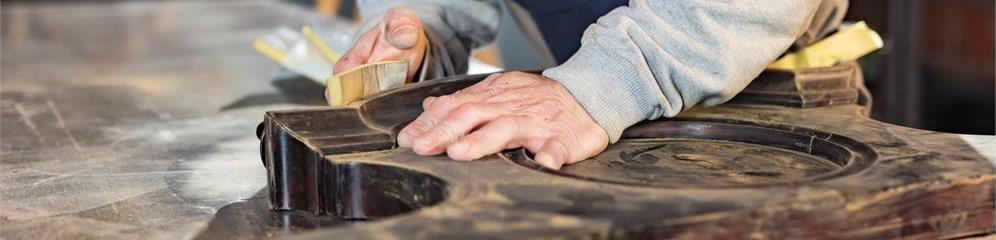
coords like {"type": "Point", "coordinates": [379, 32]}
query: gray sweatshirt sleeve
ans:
{"type": "Point", "coordinates": [656, 58]}
{"type": "Point", "coordinates": [453, 28]}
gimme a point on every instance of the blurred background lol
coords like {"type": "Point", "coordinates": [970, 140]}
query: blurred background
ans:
{"type": "Point", "coordinates": [935, 72]}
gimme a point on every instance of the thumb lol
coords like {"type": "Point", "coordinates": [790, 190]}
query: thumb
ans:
{"type": "Point", "coordinates": [552, 155]}
{"type": "Point", "coordinates": [402, 28]}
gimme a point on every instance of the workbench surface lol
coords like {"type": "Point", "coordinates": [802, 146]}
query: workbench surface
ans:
{"type": "Point", "coordinates": [134, 120]}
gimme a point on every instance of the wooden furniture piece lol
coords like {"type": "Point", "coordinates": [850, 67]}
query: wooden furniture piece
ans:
{"type": "Point", "coordinates": [791, 158]}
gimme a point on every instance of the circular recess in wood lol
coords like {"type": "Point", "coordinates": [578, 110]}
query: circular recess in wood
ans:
{"type": "Point", "coordinates": [707, 154]}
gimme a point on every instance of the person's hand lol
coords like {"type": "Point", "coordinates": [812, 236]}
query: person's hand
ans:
{"type": "Point", "coordinates": [399, 36]}
{"type": "Point", "coordinates": [507, 110]}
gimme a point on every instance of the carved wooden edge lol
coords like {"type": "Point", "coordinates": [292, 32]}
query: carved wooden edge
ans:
{"type": "Point", "coordinates": [836, 85]}
{"type": "Point", "coordinates": [295, 161]}
{"type": "Point", "coordinates": [295, 142]}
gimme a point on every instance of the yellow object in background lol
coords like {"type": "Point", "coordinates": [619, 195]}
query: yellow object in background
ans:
{"type": "Point", "coordinates": [317, 41]}
{"type": "Point", "coordinates": [269, 51]}
{"type": "Point", "coordinates": [298, 52]}
{"type": "Point", "coordinates": [848, 44]}
{"type": "Point", "coordinates": [365, 80]}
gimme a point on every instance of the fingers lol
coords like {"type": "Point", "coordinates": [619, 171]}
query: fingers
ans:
{"type": "Point", "coordinates": [425, 121]}
{"type": "Point", "coordinates": [590, 143]}
{"type": "Point", "coordinates": [402, 28]}
{"type": "Point", "coordinates": [436, 108]}
{"type": "Point", "coordinates": [493, 137]}
{"type": "Point", "coordinates": [459, 122]}
{"type": "Point", "coordinates": [506, 111]}
{"type": "Point", "coordinates": [553, 154]}
{"type": "Point", "coordinates": [436, 112]}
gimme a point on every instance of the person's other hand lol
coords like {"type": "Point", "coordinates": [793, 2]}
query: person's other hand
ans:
{"type": "Point", "coordinates": [507, 110]}
{"type": "Point", "coordinates": [399, 36]}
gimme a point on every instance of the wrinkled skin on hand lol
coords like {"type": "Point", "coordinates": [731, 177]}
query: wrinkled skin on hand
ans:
{"type": "Point", "coordinates": [399, 36]}
{"type": "Point", "coordinates": [507, 110]}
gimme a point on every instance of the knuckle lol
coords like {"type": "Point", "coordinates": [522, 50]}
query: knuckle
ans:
{"type": "Point", "coordinates": [484, 93]}
{"type": "Point", "coordinates": [446, 101]}
{"type": "Point", "coordinates": [427, 102]}
{"type": "Point", "coordinates": [430, 122]}
{"type": "Point", "coordinates": [491, 92]}
{"type": "Point", "coordinates": [421, 125]}
{"type": "Point", "coordinates": [444, 133]}
{"type": "Point", "coordinates": [425, 122]}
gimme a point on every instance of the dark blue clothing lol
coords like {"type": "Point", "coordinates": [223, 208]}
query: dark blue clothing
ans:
{"type": "Point", "coordinates": [563, 22]}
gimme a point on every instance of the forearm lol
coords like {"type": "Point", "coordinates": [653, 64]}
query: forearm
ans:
{"type": "Point", "coordinates": [654, 58]}
{"type": "Point", "coordinates": [453, 28]}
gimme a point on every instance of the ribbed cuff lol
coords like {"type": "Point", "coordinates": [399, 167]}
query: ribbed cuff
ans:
{"type": "Point", "coordinates": [607, 86]}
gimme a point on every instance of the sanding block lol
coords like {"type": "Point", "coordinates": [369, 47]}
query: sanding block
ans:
{"type": "Point", "coordinates": [364, 80]}
{"type": "Point", "coordinates": [848, 44]}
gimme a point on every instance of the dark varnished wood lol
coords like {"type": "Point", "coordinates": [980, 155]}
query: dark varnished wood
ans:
{"type": "Point", "coordinates": [731, 171]}
{"type": "Point", "coordinates": [699, 153]}
{"type": "Point", "coordinates": [835, 85]}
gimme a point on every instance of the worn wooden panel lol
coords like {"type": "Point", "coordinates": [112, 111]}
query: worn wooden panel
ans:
{"type": "Point", "coordinates": [730, 171]}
